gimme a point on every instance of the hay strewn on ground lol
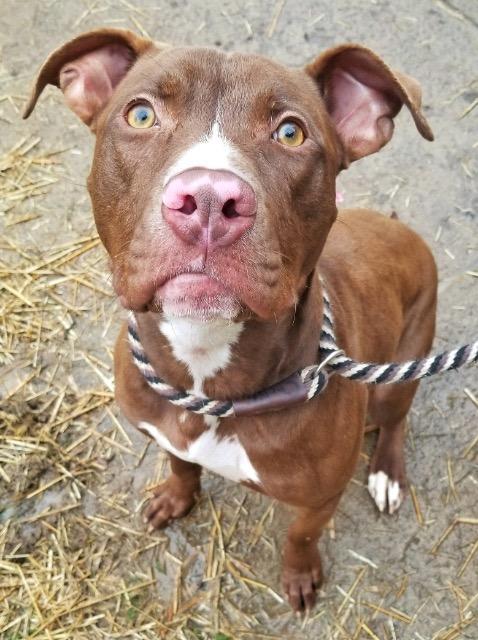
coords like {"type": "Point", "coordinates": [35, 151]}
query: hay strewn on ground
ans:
{"type": "Point", "coordinates": [75, 559]}
{"type": "Point", "coordinates": [73, 570]}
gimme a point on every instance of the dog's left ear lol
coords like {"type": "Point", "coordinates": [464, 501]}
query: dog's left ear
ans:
{"type": "Point", "coordinates": [363, 95]}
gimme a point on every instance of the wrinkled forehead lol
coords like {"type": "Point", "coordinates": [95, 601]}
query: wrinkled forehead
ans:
{"type": "Point", "coordinates": [211, 83]}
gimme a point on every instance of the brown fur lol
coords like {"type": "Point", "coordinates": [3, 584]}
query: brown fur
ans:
{"type": "Point", "coordinates": [380, 276]}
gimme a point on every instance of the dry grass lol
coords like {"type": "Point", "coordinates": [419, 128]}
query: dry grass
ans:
{"type": "Point", "coordinates": [71, 570]}
{"type": "Point", "coordinates": [75, 560]}
{"type": "Point", "coordinates": [67, 570]}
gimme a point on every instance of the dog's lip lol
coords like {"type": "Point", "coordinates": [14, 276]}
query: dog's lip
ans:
{"type": "Point", "coordinates": [191, 285]}
{"type": "Point", "coordinates": [196, 294]}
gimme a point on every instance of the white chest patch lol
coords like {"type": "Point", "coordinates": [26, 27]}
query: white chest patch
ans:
{"type": "Point", "coordinates": [225, 456]}
{"type": "Point", "coordinates": [205, 348]}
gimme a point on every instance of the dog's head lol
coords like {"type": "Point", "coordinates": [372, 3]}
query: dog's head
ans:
{"type": "Point", "coordinates": [213, 180]}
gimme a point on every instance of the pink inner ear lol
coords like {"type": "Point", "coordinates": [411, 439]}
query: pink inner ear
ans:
{"type": "Point", "coordinates": [89, 81]}
{"type": "Point", "coordinates": [362, 115]}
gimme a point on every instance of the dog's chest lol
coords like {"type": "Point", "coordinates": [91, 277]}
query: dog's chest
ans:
{"type": "Point", "coordinates": [225, 456]}
{"type": "Point", "coordinates": [205, 348]}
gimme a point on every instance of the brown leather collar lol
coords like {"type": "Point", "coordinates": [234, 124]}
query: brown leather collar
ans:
{"type": "Point", "coordinates": [285, 393]}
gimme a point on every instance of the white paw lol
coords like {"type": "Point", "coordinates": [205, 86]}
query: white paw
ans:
{"type": "Point", "coordinates": [385, 491]}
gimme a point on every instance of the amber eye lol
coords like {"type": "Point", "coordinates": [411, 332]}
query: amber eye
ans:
{"type": "Point", "coordinates": [141, 116]}
{"type": "Point", "coordinates": [290, 134]}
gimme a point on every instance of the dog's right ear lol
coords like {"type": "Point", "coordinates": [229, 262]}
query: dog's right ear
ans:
{"type": "Point", "coordinates": [87, 70]}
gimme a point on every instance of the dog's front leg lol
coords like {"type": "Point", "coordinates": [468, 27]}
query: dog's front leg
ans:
{"type": "Point", "coordinates": [302, 569]}
{"type": "Point", "coordinates": [176, 496]}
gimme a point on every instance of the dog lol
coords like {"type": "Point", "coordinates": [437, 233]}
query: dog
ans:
{"type": "Point", "coordinates": [213, 191]}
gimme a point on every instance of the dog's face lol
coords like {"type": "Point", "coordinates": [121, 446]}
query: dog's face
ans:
{"type": "Point", "coordinates": [214, 139]}
{"type": "Point", "coordinates": [213, 181]}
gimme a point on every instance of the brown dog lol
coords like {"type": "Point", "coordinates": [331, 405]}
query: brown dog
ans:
{"type": "Point", "coordinates": [213, 189]}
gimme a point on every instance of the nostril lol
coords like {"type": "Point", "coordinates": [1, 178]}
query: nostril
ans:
{"type": "Point", "coordinates": [229, 209]}
{"type": "Point", "coordinates": [189, 205]}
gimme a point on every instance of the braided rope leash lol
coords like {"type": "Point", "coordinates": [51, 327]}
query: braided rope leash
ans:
{"type": "Point", "coordinates": [389, 373]}
{"type": "Point", "coordinates": [183, 399]}
{"type": "Point", "coordinates": [314, 378]}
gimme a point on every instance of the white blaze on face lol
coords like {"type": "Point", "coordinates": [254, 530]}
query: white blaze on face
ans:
{"type": "Point", "coordinates": [213, 151]}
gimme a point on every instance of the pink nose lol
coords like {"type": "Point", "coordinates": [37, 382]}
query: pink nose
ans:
{"type": "Point", "coordinates": [209, 208]}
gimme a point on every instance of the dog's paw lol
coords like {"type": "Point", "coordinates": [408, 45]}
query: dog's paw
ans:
{"type": "Point", "coordinates": [171, 500]}
{"type": "Point", "coordinates": [300, 586]}
{"type": "Point", "coordinates": [386, 493]}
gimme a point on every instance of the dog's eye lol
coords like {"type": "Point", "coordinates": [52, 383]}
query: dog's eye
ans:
{"type": "Point", "coordinates": [141, 116]}
{"type": "Point", "coordinates": [289, 133]}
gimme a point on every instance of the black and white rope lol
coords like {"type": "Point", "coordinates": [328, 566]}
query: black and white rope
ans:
{"type": "Point", "coordinates": [315, 377]}
{"type": "Point", "coordinates": [392, 372]}
{"type": "Point", "coordinates": [183, 399]}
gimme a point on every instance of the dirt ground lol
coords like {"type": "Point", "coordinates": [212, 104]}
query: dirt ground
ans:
{"type": "Point", "coordinates": [75, 561]}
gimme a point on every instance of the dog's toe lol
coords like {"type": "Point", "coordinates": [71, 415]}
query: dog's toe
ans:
{"type": "Point", "coordinates": [301, 587]}
{"type": "Point", "coordinates": [385, 491]}
{"type": "Point", "coordinates": [171, 500]}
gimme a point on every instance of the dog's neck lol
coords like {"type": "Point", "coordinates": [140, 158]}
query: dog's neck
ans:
{"type": "Point", "coordinates": [226, 359]}
{"type": "Point", "coordinates": [205, 347]}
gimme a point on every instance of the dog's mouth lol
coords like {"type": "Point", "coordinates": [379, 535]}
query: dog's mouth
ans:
{"type": "Point", "coordinates": [196, 295]}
